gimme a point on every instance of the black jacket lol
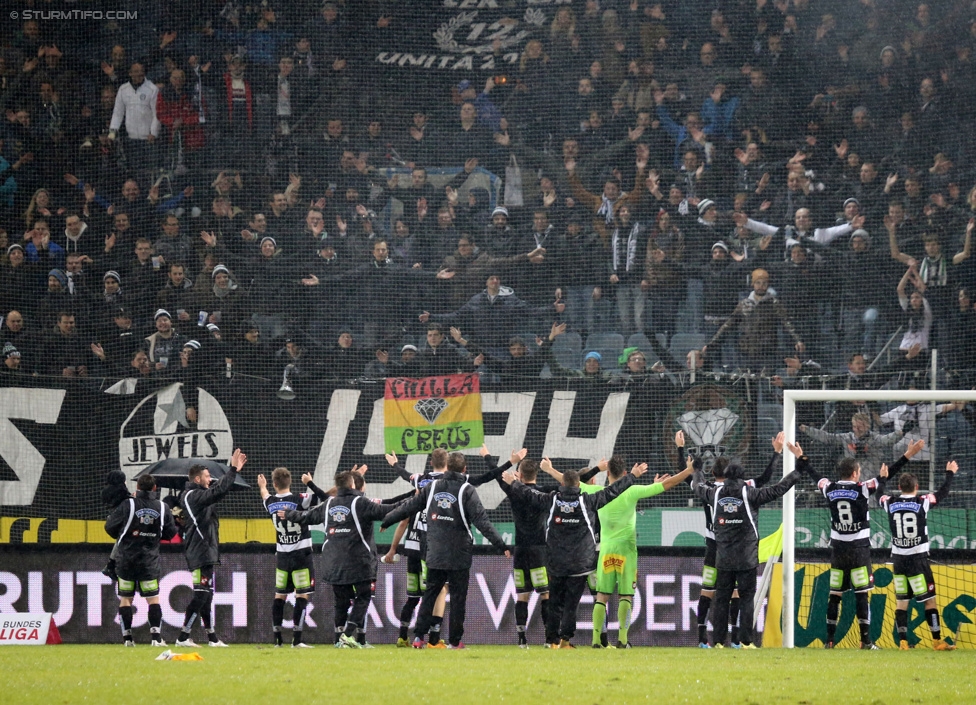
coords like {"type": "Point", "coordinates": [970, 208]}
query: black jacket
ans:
{"type": "Point", "coordinates": [202, 531]}
{"type": "Point", "coordinates": [572, 526]}
{"type": "Point", "coordinates": [735, 512]}
{"type": "Point", "coordinates": [452, 505]}
{"type": "Point", "coordinates": [349, 549]}
{"type": "Point", "coordinates": [138, 525]}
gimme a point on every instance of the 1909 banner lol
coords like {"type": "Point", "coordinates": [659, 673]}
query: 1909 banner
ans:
{"type": "Point", "coordinates": [59, 439]}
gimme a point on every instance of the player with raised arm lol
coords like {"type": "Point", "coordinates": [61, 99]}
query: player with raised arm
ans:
{"type": "Point", "coordinates": [349, 551]}
{"type": "Point", "coordinates": [850, 539]}
{"type": "Point", "coordinates": [737, 542]}
{"type": "Point", "coordinates": [588, 485]}
{"type": "Point", "coordinates": [138, 524]}
{"type": "Point", "coordinates": [201, 543]}
{"type": "Point", "coordinates": [616, 566]}
{"type": "Point", "coordinates": [414, 528]}
{"type": "Point", "coordinates": [529, 562]}
{"type": "Point", "coordinates": [708, 570]}
{"type": "Point", "coordinates": [571, 543]}
{"type": "Point", "coordinates": [294, 571]}
{"type": "Point", "coordinates": [907, 516]}
{"type": "Point", "coordinates": [452, 506]}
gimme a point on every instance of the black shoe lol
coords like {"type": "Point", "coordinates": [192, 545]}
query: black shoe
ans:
{"type": "Point", "coordinates": [622, 645]}
{"type": "Point", "coordinates": [828, 644]}
{"type": "Point", "coordinates": [604, 640]}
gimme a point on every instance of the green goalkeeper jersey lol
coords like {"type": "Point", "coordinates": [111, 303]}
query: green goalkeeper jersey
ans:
{"type": "Point", "coordinates": [618, 519]}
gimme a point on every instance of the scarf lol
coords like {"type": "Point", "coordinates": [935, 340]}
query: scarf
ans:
{"type": "Point", "coordinates": [225, 292]}
{"type": "Point", "coordinates": [631, 247]}
{"type": "Point", "coordinates": [229, 84]}
{"type": "Point", "coordinates": [606, 209]}
{"type": "Point", "coordinates": [540, 238]}
{"type": "Point", "coordinates": [933, 271]}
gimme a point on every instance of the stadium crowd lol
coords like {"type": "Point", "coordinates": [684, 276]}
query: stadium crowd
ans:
{"type": "Point", "coordinates": [232, 188]}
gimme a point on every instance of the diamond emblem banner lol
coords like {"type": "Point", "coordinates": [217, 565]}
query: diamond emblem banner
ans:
{"type": "Point", "coordinates": [433, 412]}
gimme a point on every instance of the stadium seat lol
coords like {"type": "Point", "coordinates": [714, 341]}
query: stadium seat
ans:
{"type": "Point", "coordinates": [609, 345]}
{"type": "Point", "coordinates": [566, 350]}
{"type": "Point", "coordinates": [683, 343]}
{"type": "Point", "coordinates": [640, 341]}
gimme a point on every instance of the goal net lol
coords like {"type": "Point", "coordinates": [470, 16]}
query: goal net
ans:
{"type": "Point", "coordinates": [805, 568]}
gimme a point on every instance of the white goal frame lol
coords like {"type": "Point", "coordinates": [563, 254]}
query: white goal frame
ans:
{"type": "Point", "coordinates": [790, 397]}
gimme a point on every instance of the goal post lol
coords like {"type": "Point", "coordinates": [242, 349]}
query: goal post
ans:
{"type": "Point", "coordinates": [790, 397]}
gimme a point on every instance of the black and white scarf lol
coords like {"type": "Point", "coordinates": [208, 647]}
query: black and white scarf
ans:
{"type": "Point", "coordinates": [933, 271]}
{"type": "Point", "coordinates": [606, 210]}
{"type": "Point", "coordinates": [631, 247]}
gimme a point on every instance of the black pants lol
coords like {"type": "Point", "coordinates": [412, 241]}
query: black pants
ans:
{"type": "Point", "coordinates": [458, 588]}
{"type": "Point", "coordinates": [361, 594]}
{"type": "Point", "coordinates": [725, 583]}
{"type": "Point", "coordinates": [565, 592]}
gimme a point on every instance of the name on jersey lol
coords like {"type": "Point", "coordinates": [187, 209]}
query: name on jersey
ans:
{"type": "Point", "coordinates": [851, 528]}
{"type": "Point", "coordinates": [904, 507]}
{"type": "Point", "coordinates": [338, 530]}
{"type": "Point", "coordinates": [730, 504]}
{"type": "Point", "coordinates": [444, 500]}
{"type": "Point", "coordinates": [440, 517]}
{"type": "Point", "coordinates": [908, 543]}
{"type": "Point", "coordinates": [723, 521]}
{"type": "Point", "coordinates": [276, 507]}
{"type": "Point", "coordinates": [565, 520]}
{"type": "Point", "coordinates": [834, 495]}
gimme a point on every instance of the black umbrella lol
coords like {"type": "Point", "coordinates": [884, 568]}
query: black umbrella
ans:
{"type": "Point", "coordinates": [172, 473]}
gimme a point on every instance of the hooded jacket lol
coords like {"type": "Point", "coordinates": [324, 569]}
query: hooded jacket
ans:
{"type": "Point", "coordinates": [349, 549]}
{"type": "Point", "coordinates": [735, 511]}
{"type": "Point", "coordinates": [138, 525]}
{"type": "Point", "coordinates": [493, 319]}
{"type": "Point", "coordinates": [452, 506]}
{"type": "Point", "coordinates": [202, 527]}
{"type": "Point", "coordinates": [572, 526]}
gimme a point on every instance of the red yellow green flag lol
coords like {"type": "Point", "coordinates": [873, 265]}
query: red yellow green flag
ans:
{"type": "Point", "coordinates": [432, 412]}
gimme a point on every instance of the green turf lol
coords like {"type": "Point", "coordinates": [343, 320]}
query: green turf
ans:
{"type": "Point", "coordinates": [251, 674]}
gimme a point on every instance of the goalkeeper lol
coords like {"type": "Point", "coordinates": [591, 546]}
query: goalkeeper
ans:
{"type": "Point", "coordinates": [616, 567]}
{"type": "Point", "coordinates": [617, 562]}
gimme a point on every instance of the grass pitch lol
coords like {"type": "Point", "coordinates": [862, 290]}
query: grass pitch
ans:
{"type": "Point", "coordinates": [251, 674]}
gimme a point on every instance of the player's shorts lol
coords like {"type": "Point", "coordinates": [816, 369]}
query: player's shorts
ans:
{"type": "Point", "coordinates": [416, 576]}
{"type": "Point", "coordinates": [203, 578]}
{"type": "Point", "coordinates": [850, 569]}
{"type": "Point", "coordinates": [294, 574]}
{"type": "Point", "coordinates": [146, 585]}
{"type": "Point", "coordinates": [616, 569]}
{"type": "Point", "coordinates": [529, 568]}
{"type": "Point", "coordinates": [709, 574]}
{"type": "Point", "coordinates": [913, 578]}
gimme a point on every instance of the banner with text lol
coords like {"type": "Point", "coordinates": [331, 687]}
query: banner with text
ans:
{"type": "Point", "coordinates": [433, 412]}
{"type": "Point", "coordinates": [60, 438]}
{"type": "Point", "coordinates": [82, 600]}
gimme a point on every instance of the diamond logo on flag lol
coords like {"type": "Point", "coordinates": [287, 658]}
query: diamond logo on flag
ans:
{"type": "Point", "coordinates": [430, 409]}
{"type": "Point", "coordinates": [708, 428]}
